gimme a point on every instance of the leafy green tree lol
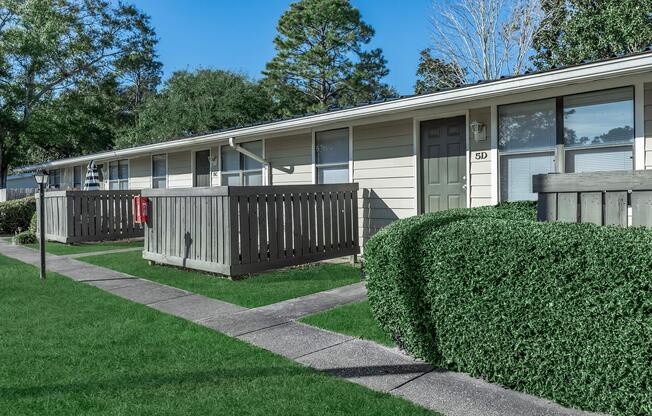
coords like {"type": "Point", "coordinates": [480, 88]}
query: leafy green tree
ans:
{"type": "Point", "coordinates": [78, 121]}
{"type": "Point", "coordinates": [197, 102]}
{"type": "Point", "coordinates": [51, 47]}
{"type": "Point", "coordinates": [435, 74]}
{"type": "Point", "coordinates": [576, 30]}
{"type": "Point", "coordinates": [321, 58]}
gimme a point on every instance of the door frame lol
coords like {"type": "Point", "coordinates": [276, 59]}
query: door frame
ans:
{"type": "Point", "coordinates": [416, 129]}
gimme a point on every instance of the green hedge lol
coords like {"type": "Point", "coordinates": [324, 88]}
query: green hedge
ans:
{"type": "Point", "coordinates": [16, 215]}
{"type": "Point", "coordinates": [562, 311]}
{"type": "Point", "coordinates": [25, 237]}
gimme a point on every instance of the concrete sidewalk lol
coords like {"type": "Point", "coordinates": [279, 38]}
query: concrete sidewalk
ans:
{"type": "Point", "coordinates": [274, 328]}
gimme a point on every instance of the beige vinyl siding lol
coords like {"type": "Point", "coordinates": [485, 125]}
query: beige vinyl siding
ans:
{"type": "Point", "coordinates": [294, 152]}
{"type": "Point", "coordinates": [480, 169]}
{"type": "Point", "coordinates": [140, 173]}
{"type": "Point", "coordinates": [179, 170]}
{"type": "Point", "coordinates": [648, 126]}
{"type": "Point", "coordinates": [383, 165]}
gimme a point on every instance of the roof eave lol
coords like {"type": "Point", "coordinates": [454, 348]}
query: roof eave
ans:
{"type": "Point", "coordinates": [629, 65]}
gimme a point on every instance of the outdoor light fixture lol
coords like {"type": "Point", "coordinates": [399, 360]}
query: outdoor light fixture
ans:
{"type": "Point", "coordinates": [41, 178]}
{"type": "Point", "coordinates": [478, 131]}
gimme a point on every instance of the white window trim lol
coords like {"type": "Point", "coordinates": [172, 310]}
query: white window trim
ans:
{"type": "Point", "coordinates": [242, 172]}
{"type": "Point", "coordinates": [151, 170]}
{"type": "Point", "coordinates": [81, 176]}
{"type": "Point", "coordinates": [560, 151]}
{"type": "Point", "coordinates": [315, 165]}
{"type": "Point", "coordinates": [109, 180]}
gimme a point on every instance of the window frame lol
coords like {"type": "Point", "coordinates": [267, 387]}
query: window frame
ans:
{"type": "Point", "coordinates": [81, 177]}
{"type": "Point", "coordinates": [54, 173]}
{"type": "Point", "coordinates": [120, 180]}
{"type": "Point", "coordinates": [151, 168]}
{"type": "Point", "coordinates": [560, 150]}
{"type": "Point", "coordinates": [241, 172]}
{"type": "Point", "coordinates": [316, 166]}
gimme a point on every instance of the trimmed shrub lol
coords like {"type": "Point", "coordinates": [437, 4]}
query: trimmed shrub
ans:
{"type": "Point", "coordinates": [563, 311]}
{"type": "Point", "coordinates": [26, 237]}
{"type": "Point", "coordinates": [16, 215]}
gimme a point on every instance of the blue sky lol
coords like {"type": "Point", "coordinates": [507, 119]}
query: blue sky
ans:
{"type": "Point", "coordinates": [237, 35]}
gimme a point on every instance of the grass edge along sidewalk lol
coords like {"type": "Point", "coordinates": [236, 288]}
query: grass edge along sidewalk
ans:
{"type": "Point", "coordinates": [254, 291]}
{"type": "Point", "coordinates": [69, 348]}
{"type": "Point", "coordinates": [354, 319]}
{"type": "Point", "coordinates": [61, 249]}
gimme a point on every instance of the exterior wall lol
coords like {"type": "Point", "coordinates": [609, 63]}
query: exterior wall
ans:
{"type": "Point", "coordinates": [294, 152]}
{"type": "Point", "coordinates": [648, 126]}
{"type": "Point", "coordinates": [383, 165]}
{"type": "Point", "coordinates": [140, 171]}
{"type": "Point", "coordinates": [179, 170]}
{"type": "Point", "coordinates": [383, 151]}
{"type": "Point", "coordinates": [480, 160]}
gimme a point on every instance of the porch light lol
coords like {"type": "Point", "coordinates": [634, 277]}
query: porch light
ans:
{"type": "Point", "coordinates": [41, 177]}
{"type": "Point", "coordinates": [478, 131]}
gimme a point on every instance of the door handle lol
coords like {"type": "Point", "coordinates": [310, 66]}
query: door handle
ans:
{"type": "Point", "coordinates": [464, 187]}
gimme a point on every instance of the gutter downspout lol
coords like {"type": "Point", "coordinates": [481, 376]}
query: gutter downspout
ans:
{"type": "Point", "coordinates": [257, 158]}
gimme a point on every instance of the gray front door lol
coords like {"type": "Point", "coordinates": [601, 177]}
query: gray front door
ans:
{"type": "Point", "coordinates": [443, 164]}
{"type": "Point", "coordinates": [203, 168]}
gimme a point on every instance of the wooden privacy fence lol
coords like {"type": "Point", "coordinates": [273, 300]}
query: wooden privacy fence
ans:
{"type": "Point", "coordinates": [240, 230]}
{"type": "Point", "coordinates": [604, 198]}
{"type": "Point", "coordinates": [17, 193]}
{"type": "Point", "coordinates": [81, 216]}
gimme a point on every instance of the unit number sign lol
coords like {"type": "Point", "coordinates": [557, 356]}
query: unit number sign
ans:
{"type": "Point", "coordinates": [480, 155]}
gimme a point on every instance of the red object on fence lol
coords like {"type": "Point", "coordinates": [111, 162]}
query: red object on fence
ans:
{"type": "Point", "coordinates": [141, 214]}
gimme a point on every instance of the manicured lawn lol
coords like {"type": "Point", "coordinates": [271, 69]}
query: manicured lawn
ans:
{"type": "Point", "coordinates": [354, 319]}
{"type": "Point", "coordinates": [254, 291]}
{"type": "Point", "coordinates": [70, 349]}
{"type": "Point", "coordinates": [63, 249]}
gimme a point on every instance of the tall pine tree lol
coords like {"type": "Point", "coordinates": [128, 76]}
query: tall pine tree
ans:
{"type": "Point", "coordinates": [321, 59]}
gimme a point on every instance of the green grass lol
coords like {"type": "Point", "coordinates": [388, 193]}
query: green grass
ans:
{"type": "Point", "coordinates": [63, 249]}
{"type": "Point", "coordinates": [354, 319]}
{"type": "Point", "coordinates": [263, 289]}
{"type": "Point", "coordinates": [71, 349]}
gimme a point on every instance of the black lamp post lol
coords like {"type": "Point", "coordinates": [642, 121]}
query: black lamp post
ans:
{"type": "Point", "coordinates": [41, 178]}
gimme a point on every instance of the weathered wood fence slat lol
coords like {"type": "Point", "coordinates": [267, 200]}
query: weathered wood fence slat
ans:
{"type": "Point", "coordinates": [605, 198]}
{"type": "Point", "coordinates": [84, 216]}
{"type": "Point", "coordinates": [241, 230]}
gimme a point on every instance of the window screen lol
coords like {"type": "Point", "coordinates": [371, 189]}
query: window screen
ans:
{"type": "Point", "coordinates": [159, 171]}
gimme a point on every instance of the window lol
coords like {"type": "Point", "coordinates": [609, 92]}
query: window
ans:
{"type": "Point", "coordinates": [588, 132]}
{"type": "Point", "coordinates": [119, 174]}
{"type": "Point", "coordinates": [238, 169]}
{"type": "Point", "coordinates": [332, 156]}
{"type": "Point", "coordinates": [54, 179]}
{"type": "Point", "coordinates": [599, 130]}
{"type": "Point", "coordinates": [77, 182]}
{"type": "Point", "coordinates": [159, 171]}
{"type": "Point", "coordinates": [526, 140]}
